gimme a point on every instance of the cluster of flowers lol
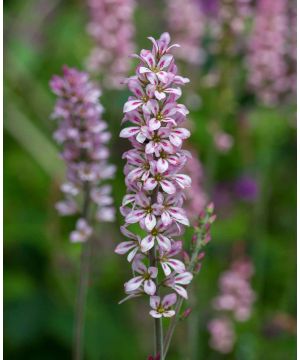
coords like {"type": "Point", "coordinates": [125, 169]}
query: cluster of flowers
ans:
{"type": "Point", "coordinates": [155, 186]}
{"type": "Point", "coordinates": [236, 299]}
{"type": "Point", "coordinates": [83, 135]}
{"type": "Point", "coordinates": [230, 20]}
{"type": "Point", "coordinates": [267, 58]}
{"type": "Point", "coordinates": [187, 24]}
{"type": "Point", "coordinates": [111, 27]}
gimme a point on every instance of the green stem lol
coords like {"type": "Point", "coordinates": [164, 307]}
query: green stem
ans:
{"type": "Point", "coordinates": [158, 328]}
{"type": "Point", "coordinates": [82, 287]}
{"type": "Point", "coordinates": [199, 244]}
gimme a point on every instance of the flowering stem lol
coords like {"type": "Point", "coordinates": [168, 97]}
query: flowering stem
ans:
{"type": "Point", "coordinates": [83, 285]}
{"type": "Point", "coordinates": [200, 242]}
{"type": "Point", "coordinates": [158, 328]}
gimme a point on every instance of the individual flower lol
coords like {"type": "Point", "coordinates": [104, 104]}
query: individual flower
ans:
{"type": "Point", "coordinates": [162, 308]}
{"type": "Point", "coordinates": [154, 177]}
{"type": "Point", "coordinates": [144, 279]}
{"type": "Point", "coordinates": [175, 282]}
{"type": "Point", "coordinates": [112, 30]}
{"type": "Point", "coordinates": [83, 231]}
{"type": "Point", "coordinates": [83, 136]}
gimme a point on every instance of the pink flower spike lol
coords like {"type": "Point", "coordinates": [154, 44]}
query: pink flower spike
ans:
{"type": "Point", "coordinates": [154, 176]}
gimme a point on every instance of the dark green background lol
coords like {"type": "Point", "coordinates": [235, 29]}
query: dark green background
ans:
{"type": "Point", "coordinates": [40, 265]}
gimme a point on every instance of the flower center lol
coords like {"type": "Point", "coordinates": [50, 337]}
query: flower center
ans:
{"type": "Point", "coordinates": [159, 116]}
{"type": "Point", "coordinates": [148, 210]}
{"type": "Point", "coordinates": [158, 177]}
{"type": "Point", "coordinates": [147, 276]}
{"type": "Point", "coordinates": [154, 232]}
{"type": "Point", "coordinates": [160, 309]}
{"type": "Point", "coordinates": [156, 139]}
{"type": "Point", "coordinates": [145, 98]}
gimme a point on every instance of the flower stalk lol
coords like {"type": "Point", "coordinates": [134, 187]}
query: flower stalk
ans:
{"type": "Point", "coordinates": [83, 135]}
{"type": "Point", "coordinates": [200, 239]}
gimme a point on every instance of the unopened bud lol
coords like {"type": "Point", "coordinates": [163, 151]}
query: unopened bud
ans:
{"type": "Point", "coordinates": [186, 257]}
{"type": "Point", "coordinates": [212, 218]}
{"type": "Point", "coordinates": [207, 239]}
{"type": "Point", "coordinates": [201, 255]}
{"type": "Point", "coordinates": [210, 208]}
{"type": "Point", "coordinates": [198, 268]}
{"type": "Point", "coordinates": [186, 313]}
{"type": "Point", "coordinates": [194, 239]}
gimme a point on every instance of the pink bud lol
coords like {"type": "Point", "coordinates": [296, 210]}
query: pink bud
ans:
{"type": "Point", "coordinates": [201, 255]}
{"type": "Point", "coordinates": [186, 313]}
{"type": "Point", "coordinates": [197, 268]}
{"type": "Point", "coordinates": [186, 257]}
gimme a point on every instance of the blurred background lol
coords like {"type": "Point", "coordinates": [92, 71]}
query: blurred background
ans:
{"type": "Point", "coordinates": [240, 57]}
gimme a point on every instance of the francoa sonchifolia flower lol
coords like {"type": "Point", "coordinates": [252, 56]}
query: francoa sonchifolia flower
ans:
{"type": "Point", "coordinates": [155, 178]}
{"type": "Point", "coordinates": [83, 135]}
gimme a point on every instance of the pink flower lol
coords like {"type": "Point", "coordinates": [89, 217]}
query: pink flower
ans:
{"type": "Point", "coordinates": [83, 135]}
{"type": "Point", "coordinates": [83, 231]}
{"type": "Point", "coordinates": [222, 335]}
{"type": "Point", "coordinates": [153, 172]}
{"type": "Point", "coordinates": [175, 281]}
{"type": "Point", "coordinates": [162, 308]}
{"type": "Point", "coordinates": [111, 27]}
{"type": "Point", "coordinates": [144, 280]}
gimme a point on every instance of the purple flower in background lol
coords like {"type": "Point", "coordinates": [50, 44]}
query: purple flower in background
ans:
{"type": "Point", "coordinates": [154, 176]}
{"type": "Point", "coordinates": [187, 23]}
{"type": "Point", "coordinates": [83, 135]}
{"type": "Point", "coordinates": [112, 29]}
{"type": "Point", "coordinates": [269, 54]}
{"type": "Point", "coordinates": [234, 303]}
{"type": "Point", "coordinates": [209, 7]}
{"type": "Point", "coordinates": [222, 335]}
{"type": "Point", "coordinates": [246, 188]}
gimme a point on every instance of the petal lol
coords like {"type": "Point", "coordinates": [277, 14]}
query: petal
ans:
{"type": "Point", "coordinates": [166, 218]}
{"type": "Point", "coordinates": [183, 180]}
{"type": "Point", "coordinates": [167, 186]}
{"type": "Point", "coordinates": [184, 278]}
{"type": "Point", "coordinates": [177, 214]}
{"type": "Point", "coordinates": [166, 269]}
{"type": "Point", "coordinates": [129, 131]}
{"type": "Point", "coordinates": [181, 291]}
{"type": "Point", "coordinates": [149, 287]}
{"type": "Point", "coordinates": [154, 302]}
{"type": "Point", "coordinates": [135, 216]}
{"type": "Point", "coordinates": [154, 124]}
{"type": "Point", "coordinates": [177, 265]}
{"type": "Point", "coordinates": [175, 140]}
{"type": "Point", "coordinates": [135, 87]}
{"type": "Point", "coordinates": [155, 314]}
{"type": "Point", "coordinates": [147, 243]}
{"type": "Point", "coordinates": [142, 200]}
{"type": "Point", "coordinates": [132, 254]}
{"type": "Point", "coordinates": [163, 76]}
{"type": "Point", "coordinates": [131, 105]}
{"type": "Point", "coordinates": [169, 300]}
{"type": "Point", "coordinates": [153, 271]}
{"type": "Point", "coordinates": [133, 283]}
{"type": "Point", "coordinates": [168, 313]}
{"type": "Point", "coordinates": [162, 165]}
{"type": "Point", "coordinates": [165, 61]}
{"type": "Point", "coordinates": [124, 247]}
{"type": "Point", "coordinates": [163, 242]}
{"type": "Point", "coordinates": [150, 184]}
{"type": "Point", "coordinates": [150, 221]}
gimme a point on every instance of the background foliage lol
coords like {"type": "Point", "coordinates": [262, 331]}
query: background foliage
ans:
{"type": "Point", "coordinates": [40, 272]}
